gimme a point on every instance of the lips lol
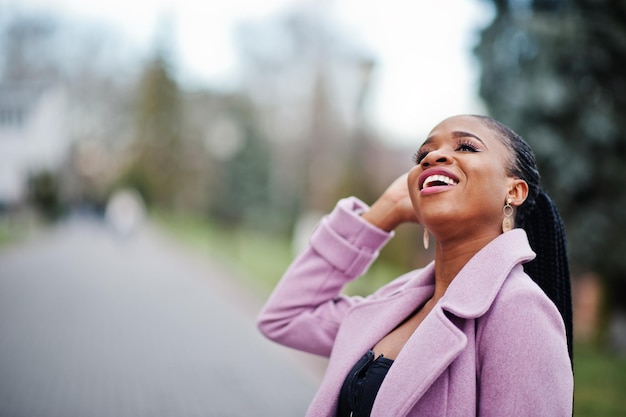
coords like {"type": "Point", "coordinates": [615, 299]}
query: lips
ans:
{"type": "Point", "coordinates": [437, 178]}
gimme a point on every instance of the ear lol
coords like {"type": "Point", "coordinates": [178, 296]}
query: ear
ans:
{"type": "Point", "coordinates": [517, 191]}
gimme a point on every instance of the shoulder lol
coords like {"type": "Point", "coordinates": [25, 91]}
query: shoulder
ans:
{"type": "Point", "coordinates": [520, 297]}
{"type": "Point", "coordinates": [522, 361]}
{"type": "Point", "coordinates": [521, 319]}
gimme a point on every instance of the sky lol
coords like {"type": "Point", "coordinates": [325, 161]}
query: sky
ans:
{"type": "Point", "coordinates": [425, 69]}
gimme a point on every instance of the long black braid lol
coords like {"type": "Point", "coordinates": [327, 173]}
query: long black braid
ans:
{"type": "Point", "coordinates": [539, 217]}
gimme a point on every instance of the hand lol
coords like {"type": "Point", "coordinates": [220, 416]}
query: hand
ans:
{"type": "Point", "coordinates": [393, 207]}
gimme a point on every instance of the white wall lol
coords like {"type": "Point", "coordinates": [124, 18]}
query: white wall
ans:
{"type": "Point", "coordinates": [40, 142]}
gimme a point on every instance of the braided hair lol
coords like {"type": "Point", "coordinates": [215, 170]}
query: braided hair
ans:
{"type": "Point", "coordinates": [539, 217]}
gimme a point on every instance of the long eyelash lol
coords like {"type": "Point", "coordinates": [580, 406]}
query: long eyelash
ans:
{"type": "Point", "coordinates": [469, 143]}
{"type": "Point", "coordinates": [418, 156]}
{"type": "Point", "coordinates": [462, 142]}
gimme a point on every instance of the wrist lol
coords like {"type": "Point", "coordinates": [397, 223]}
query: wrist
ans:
{"type": "Point", "coordinates": [382, 215]}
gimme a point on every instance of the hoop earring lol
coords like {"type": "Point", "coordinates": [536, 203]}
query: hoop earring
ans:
{"type": "Point", "coordinates": [507, 223]}
{"type": "Point", "coordinates": [426, 238]}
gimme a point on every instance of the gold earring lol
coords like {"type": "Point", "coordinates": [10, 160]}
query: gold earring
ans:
{"type": "Point", "coordinates": [507, 223]}
{"type": "Point", "coordinates": [426, 238]}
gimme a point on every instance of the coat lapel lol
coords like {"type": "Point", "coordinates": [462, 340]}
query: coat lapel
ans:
{"type": "Point", "coordinates": [362, 328]}
{"type": "Point", "coordinates": [369, 322]}
{"type": "Point", "coordinates": [427, 353]}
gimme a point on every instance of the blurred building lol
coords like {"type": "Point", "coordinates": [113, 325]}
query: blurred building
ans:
{"type": "Point", "coordinates": [33, 135]}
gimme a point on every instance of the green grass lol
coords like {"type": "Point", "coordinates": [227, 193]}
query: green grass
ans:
{"type": "Point", "coordinates": [260, 260]}
{"type": "Point", "coordinates": [5, 235]}
{"type": "Point", "coordinates": [13, 229]}
{"type": "Point", "coordinates": [599, 383]}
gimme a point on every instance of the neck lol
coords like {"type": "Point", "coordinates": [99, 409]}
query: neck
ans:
{"type": "Point", "coordinates": [451, 257]}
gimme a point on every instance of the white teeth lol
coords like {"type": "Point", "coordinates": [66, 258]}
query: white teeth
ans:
{"type": "Point", "coordinates": [439, 178]}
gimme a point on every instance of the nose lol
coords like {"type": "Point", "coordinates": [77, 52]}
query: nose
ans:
{"type": "Point", "coordinates": [435, 157]}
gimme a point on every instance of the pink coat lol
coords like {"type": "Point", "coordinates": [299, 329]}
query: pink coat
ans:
{"type": "Point", "coordinates": [494, 345]}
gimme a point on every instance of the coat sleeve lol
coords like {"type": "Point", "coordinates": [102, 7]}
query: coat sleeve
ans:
{"type": "Point", "coordinates": [523, 363]}
{"type": "Point", "coordinates": [306, 307]}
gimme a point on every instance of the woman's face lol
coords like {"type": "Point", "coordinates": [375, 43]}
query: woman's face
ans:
{"type": "Point", "coordinates": [459, 183]}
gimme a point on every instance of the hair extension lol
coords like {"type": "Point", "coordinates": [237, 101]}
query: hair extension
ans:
{"type": "Point", "coordinates": [539, 217]}
{"type": "Point", "coordinates": [550, 269]}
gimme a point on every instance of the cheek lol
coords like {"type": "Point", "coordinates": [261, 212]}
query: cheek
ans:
{"type": "Point", "coordinates": [413, 186]}
{"type": "Point", "coordinates": [490, 176]}
{"type": "Point", "coordinates": [493, 192]}
{"type": "Point", "coordinates": [413, 182]}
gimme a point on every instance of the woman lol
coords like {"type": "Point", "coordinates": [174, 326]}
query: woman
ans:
{"type": "Point", "coordinates": [469, 334]}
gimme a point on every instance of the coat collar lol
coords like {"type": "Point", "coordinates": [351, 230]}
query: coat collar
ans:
{"type": "Point", "coordinates": [473, 290]}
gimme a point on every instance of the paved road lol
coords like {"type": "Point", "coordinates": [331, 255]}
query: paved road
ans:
{"type": "Point", "coordinates": [93, 325]}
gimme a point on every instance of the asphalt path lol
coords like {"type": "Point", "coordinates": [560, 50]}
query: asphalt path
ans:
{"type": "Point", "coordinates": [93, 324]}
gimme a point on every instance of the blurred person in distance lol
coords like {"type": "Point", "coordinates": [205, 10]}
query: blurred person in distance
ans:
{"type": "Point", "coordinates": [483, 330]}
{"type": "Point", "coordinates": [125, 211]}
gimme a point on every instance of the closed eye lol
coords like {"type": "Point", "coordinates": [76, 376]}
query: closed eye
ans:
{"type": "Point", "coordinates": [467, 146]}
{"type": "Point", "coordinates": [419, 155]}
{"type": "Point", "coordinates": [464, 144]}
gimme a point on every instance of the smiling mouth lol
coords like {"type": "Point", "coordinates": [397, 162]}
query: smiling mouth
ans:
{"type": "Point", "coordinates": [438, 180]}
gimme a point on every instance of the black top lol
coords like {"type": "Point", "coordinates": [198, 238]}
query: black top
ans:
{"type": "Point", "coordinates": [361, 386]}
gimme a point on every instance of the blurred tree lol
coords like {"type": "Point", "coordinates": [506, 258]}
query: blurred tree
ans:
{"type": "Point", "coordinates": [553, 71]}
{"type": "Point", "coordinates": [44, 46]}
{"type": "Point", "coordinates": [286, 61]}
{"type": "Point", "coordinates": [25, 42]}
{"type": "Point", "coordinates": [43, 194]}
{"type": "Point", "coordinates": [241, 195]}
{"type": "Point", "coordinates": [96, 71]}
{"type": "Point", "coordinates": [156, 169]}
{"type": "Point", "coordinates": [308, 84]}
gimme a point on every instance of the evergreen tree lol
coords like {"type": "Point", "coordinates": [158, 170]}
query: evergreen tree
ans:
{"type": "Point", "coordinates": [241, 194]}
{"type": "Point", "coordinates": [553, 71]}
{"type": "Point", "coordinates": [156, 169]}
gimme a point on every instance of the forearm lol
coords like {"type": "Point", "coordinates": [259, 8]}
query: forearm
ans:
{"type": "Point", "coordinates": [305, 309]}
